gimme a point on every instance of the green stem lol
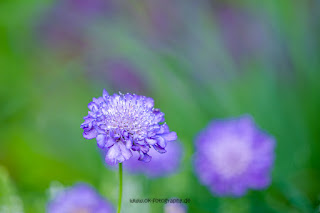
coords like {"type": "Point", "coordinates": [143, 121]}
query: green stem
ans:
{"type": "Point", "coordinates": [120, 187]}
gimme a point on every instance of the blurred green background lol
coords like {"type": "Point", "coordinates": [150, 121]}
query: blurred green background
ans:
{"type": "Point", "coordinates": [199, 60]}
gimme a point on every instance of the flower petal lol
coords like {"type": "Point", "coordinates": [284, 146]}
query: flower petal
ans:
{"type": "Point", "coordinates": [126, 153]}
{"type": "Point", "coordinates": [129, 143]}
{"type": "Point", "coordinates": [172, 136]}
{"type": "Point", "coordinates": [101, 140]}
{"type": "Point", "coordinates": [163, 129]}
{"type": "Point", "coordinates": [93, 106]}
{"type": "Point", "coordinates": [105, 94]}
{"type": "Point", "coordinates": [149, 102]}
{"type": "Point", "coordinates": [144, 148]}
{"type": "Point", "coordinates": [159, 149]}
{"type": "Point", "coordinates": [112, 154]}
{"type": "Point", "coordinates": [151, 141]}
{"type": "Point", "coordinates": [110, 141]}
{"type": "Point", "coordinates": [92, 114]}
{"type": "Point", "coordinates": [145, 157]}
{"type": "Point", "coordinates": [161, 141]}
{"type": "Point", "coordinates": [159, 115]}
{"type": "Point", "coordinates": [98, 100]}
{"type": "Point", "coordinates": [86, 126]}
{"type": "Point", "coordinates": [90, 134]}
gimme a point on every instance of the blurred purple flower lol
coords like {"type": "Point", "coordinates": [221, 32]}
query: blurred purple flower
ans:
{"type": "Point", "coordinates": [119, 73]}
{"type": "Point", "coordinates": [175, 208]}
{"type": "Point", "coordinates": [65, 26]}
{"type": "Point", "coordinates": [166, 23]}
{"type": "Point", "coordinates": [88, 7]}
{"type": "Point", "coordinates": [233, 156]}
{"type": "Point", "coordinates": [123, 75]}
{"type": "Point", "coordinates": [122, 124]}
{"type": "Point", "coordinates": [161, 165]}
{"type": "Point", "coordinates": [79, 198]}
{"type": "Point", "coordinates": [246, 34]}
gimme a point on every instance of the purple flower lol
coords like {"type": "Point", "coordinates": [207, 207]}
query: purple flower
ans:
{"type": "Point", "coordinates": [66, 25]}
{"type": "Point", "coordinates": [79, 198]}
{"type": "Point", "coordinates": [88, 7]}
{"type": "Point", "coordinates": [166, 22]}
{"type": "Point", "coordinates": [128, 123]}
{"type": "Point", "coordinates": [161, 165]}
{"type": "Point", "coordinates": [119, 73]}
{"type": "Point", "coordinates": [233, 156]}
{"type": "Point", "coordinates": [246, 34]}
{"type": "Point", "coordinates": [175, 208]}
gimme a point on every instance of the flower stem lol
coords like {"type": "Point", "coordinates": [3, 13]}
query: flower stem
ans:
{"type": "Point", "coordinates": [120, 187]}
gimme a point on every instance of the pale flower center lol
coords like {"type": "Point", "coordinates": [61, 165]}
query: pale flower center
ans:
{"type": "Point", "coordinates": [81, 210]}
{"type": "Point", "coordinates": [174, 208]}
{"type": "Point", "coordinates": [231, 157]}
{"type": "Point", "coordinates": [132, 116]}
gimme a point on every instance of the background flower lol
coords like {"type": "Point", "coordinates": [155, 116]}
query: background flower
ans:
{"type": "Point", "coordinates": [79, 198]}
{"type": "Point", "coordinates": [233, 156]}
{"type": "Point", "coordinates": [175, 208]}
{"type": "Point", "coordinates": [119, 73]}
{"type": "Point", "coordinates": [66, 27]}
{"type": "Point", "coordinates": [161, 164]}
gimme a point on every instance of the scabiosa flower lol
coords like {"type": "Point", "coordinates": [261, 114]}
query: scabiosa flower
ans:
{"type": "Point", "coordinates": [247, 34]}
{"type": "Point", "coordinates": [128, 123]}
{"type": "Point", "coordinates": [161, 165]}
{"type": "Point", "coordinates": [66, 25]}
{"type": "Point", "coordinates": [233, 156]}
{"type": "Point", "coordinates": [79, 198]}
{"type": "Point", "coordinates": [175, 208]}
{"type": "Point", "coordinates": [120, 73]}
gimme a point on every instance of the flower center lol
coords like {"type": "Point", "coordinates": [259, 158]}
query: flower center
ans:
{"type": "Point", "coordinates": [231, 158]}
{"type": "Point", "coordinates": [174, 207]}
{"type": "Point", "coordinates": [131, 114]}
{"type": "Point", "coordinates": [81, 210]}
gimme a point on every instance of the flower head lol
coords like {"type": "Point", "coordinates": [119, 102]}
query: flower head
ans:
{"type": "Point", "coordinates": [233, 156]}
{"type": "Point", "coordinates": [79, 198]}
{"type": "Point", "coordinates": [175, 208]}
{"type": "Point", "coordinates": [66, 25]}
{"type": "Point", "coordinates": [119, 73]}
{"type": "Point", "coordinates": [246, 34]}
{"type": "Point", "coordinates": [128, 123]}
{"type": "Point", "coordinates": [161, 165]}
